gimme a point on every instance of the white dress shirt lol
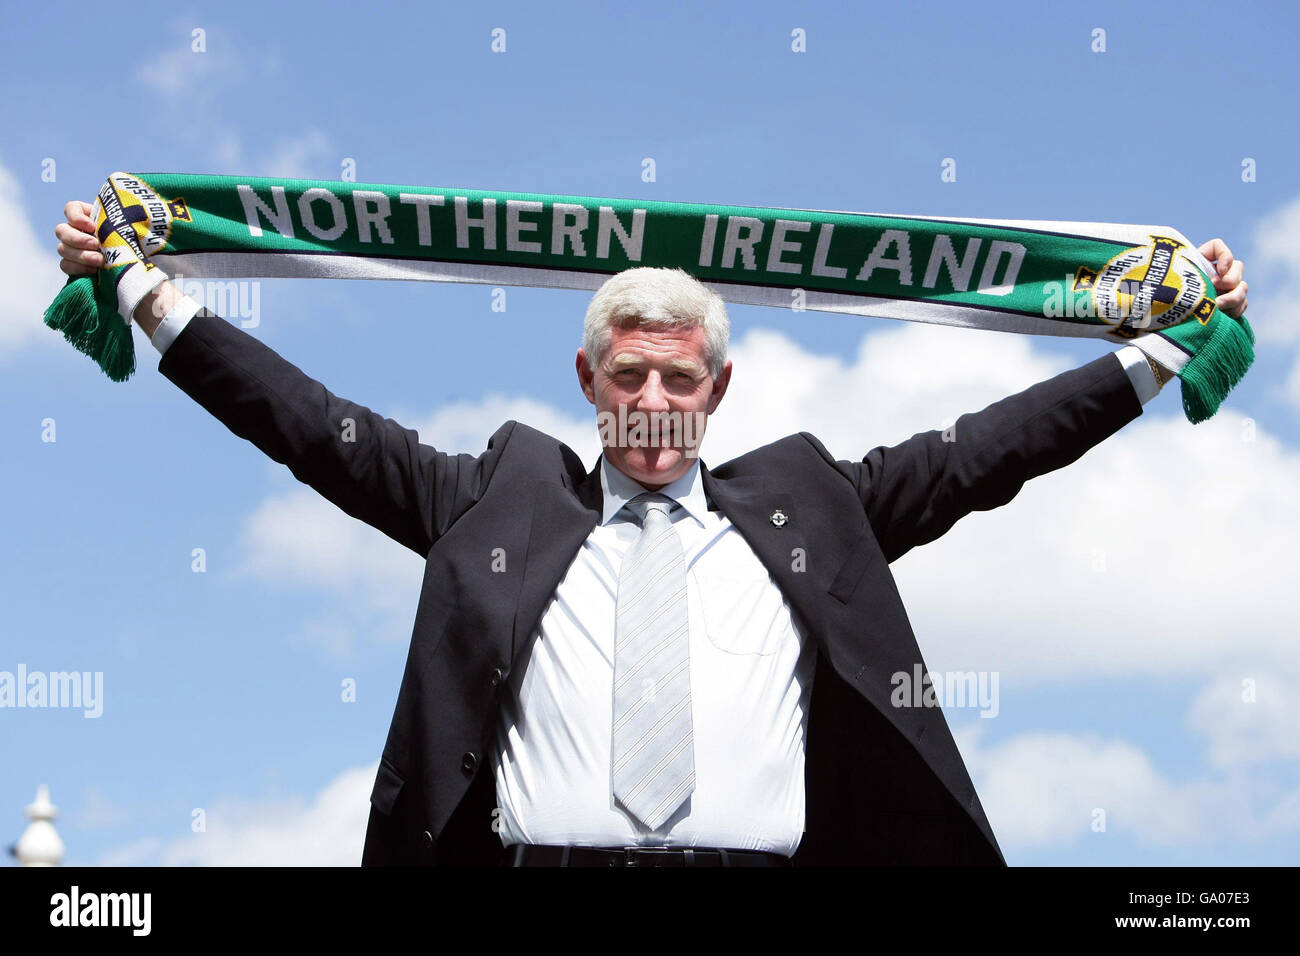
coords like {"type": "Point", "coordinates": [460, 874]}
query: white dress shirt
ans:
{"type": "Point", "coordinates": [751, 681]}
{"type": "Point", "coordinates": [751, 671]}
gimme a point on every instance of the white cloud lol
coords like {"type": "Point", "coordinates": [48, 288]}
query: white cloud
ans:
{"type": "Point", "coordinates": [1044, 790]}
{"type": "Point", "coordinates": [143, 852]}
{"type": "Point", "coordinates": [466, 426]}
{"type": "Point", "coordinates": [1163, 551]}
{"type": "Point", "coordinates": [310, 155]}
{"type": "Point", "coordinates": [179, 72]}
{"type": "Point", "coordinates": [297, 539]}
{"type": "Point", "coordinates": [188, 79]}
{"type": "Point", "coordinates": [29, 274]}
{"type": "Point", "coordinates": [1273, 273]}
{"type": "Point", "coordinates": [907, 377]}
{"type": "Point", "coordinates": [196, 83]}
{"type": "Point", "coordinates": [199, 85]}
{"type": "Point", "coordinates": [1289, 390]}
{"type": "Point", "coordinates": [326, 830]}
{"type": "Point", "coordinates": [1248, 718]}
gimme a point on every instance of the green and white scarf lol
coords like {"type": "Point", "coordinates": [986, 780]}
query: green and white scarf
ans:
{"type": "Point", "coordinates": [1141, 284]}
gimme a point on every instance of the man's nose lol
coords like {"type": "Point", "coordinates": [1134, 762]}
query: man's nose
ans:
{"type": "Point", "coordinates": [654, 398]}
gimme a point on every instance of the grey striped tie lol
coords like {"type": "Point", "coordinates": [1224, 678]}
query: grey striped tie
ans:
{"type": "Point", "coordinates": [653, 755]}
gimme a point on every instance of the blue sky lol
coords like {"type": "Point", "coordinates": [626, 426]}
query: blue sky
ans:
{"type": "Point", "coordinates": [1122, 601]}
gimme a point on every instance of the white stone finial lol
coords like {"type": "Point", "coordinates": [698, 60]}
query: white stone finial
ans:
{"type": "Point", "coordinates": [40, 844]}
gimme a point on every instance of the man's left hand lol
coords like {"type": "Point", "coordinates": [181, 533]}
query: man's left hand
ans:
{"type": "Point", "coordinates": [1228, 282]}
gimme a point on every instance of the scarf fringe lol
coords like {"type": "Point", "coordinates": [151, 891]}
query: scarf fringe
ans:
{"type": "Point", "coordinates": [1216, 366]}
{"type": "Point", "coordinates": [93, 328]}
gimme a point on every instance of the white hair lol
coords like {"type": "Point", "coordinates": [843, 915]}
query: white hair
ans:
{"type": "Point", "coordinates": [656, 299]}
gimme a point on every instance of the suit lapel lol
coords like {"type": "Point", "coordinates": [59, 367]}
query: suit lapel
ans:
{"type": "Point", "coordinates": [562, 518]}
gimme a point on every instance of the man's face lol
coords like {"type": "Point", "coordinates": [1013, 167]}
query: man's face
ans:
{"type": "Point", "coordinates": [658, 383]}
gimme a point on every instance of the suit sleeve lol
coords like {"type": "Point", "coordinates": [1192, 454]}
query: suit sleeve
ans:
{"type": "Point", "coordinates": [383, 475]}
{"type": "Point", "coordinates": [915, 491]}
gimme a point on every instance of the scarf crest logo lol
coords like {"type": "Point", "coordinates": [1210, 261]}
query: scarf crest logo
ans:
{"type": "Point", "coordinates": [132, 222]}
{"type": "Point", "coordinates": [1146, 288]}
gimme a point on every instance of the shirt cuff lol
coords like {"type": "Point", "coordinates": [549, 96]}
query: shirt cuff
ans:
{"type": "Point", "coordinates": [1139, 372]}
{"type": "Point", "coordinates": [173, 322]}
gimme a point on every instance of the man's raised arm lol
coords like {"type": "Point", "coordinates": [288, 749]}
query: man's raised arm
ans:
{"type": "Point", "coordinates": [368, 465]}
{"type": "Point", "coordinates": [916, 490]}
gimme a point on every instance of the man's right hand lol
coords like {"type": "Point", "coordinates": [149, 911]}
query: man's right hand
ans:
{"type": "Point", "coordinates": [77, 243]}
{"type": "Point", "coordinates": [80, 256]}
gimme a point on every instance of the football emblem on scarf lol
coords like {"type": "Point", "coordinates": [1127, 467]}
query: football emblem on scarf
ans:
{"type": "Point", "coordinates": [1146, 288]}
{"type": "Point", "coordinates": [131, 220]}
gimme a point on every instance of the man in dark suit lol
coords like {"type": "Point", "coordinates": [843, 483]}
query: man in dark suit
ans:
{"type": "Point", "coordinates": [757, 722]}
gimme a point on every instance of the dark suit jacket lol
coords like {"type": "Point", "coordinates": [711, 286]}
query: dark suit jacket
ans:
{"type": "Point", "coordinates": [884, 784]}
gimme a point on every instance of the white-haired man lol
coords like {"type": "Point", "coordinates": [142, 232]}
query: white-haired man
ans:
{"type": "Point", "coordinates": [653, 662]}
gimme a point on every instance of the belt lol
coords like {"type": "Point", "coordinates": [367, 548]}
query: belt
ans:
{"type": "Point", "coordinates": [528, 854]}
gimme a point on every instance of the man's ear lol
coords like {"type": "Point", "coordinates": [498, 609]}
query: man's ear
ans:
{"type": "Point", "coordinates": [586, 377]}
{"type": "Point", "coordinates": [720, 386]}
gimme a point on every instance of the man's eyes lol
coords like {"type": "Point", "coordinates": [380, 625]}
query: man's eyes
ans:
{"type": "Point", "coordinates": [633, 372]}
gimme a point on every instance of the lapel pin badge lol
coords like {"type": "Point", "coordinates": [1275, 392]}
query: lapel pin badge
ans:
{"type": "Point", "coordinates": [779, 518]}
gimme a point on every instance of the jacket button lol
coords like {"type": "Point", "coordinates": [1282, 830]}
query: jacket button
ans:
{"type": "Point", "coordinates": [428, 840]}
{"type": "Point", "coordinates": [468, 763]}
{"type": "Point", "coordinates": [497, 676]}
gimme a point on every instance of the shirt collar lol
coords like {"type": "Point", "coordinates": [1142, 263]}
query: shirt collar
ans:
{"type": "Point", "coordinates": [618, 489]}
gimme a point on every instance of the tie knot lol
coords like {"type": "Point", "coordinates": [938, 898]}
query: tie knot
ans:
{"type": "Point", "coordinates": [643, 504]}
